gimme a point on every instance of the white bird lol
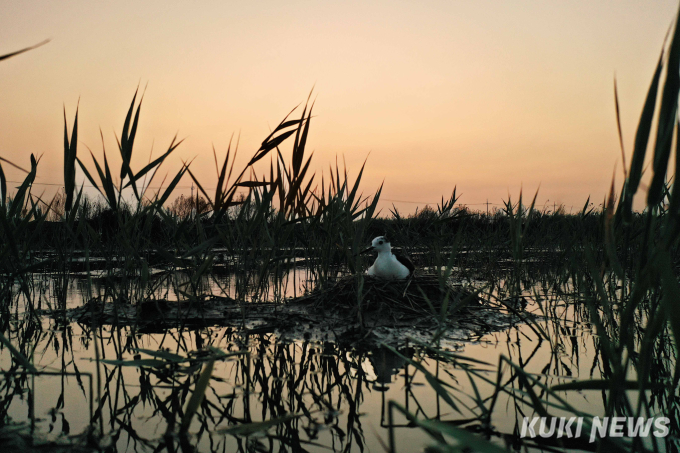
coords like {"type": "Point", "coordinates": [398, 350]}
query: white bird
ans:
{"type": "Point", "coordinates": [387, 264]}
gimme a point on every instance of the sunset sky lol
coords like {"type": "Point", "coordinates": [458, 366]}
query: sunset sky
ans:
{"type": "Point", "coordinates": [488, 96]}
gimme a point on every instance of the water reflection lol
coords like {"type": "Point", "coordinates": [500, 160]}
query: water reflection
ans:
{"type": "Point", "coordinates": [338, 395]}
{"type": "Point", "coordinates": [386, 365]}
{"type": "Point", "coordinates": [276, 392]}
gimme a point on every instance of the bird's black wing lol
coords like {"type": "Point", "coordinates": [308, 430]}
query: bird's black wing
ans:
{"type": "Point", "coordinates": [403, 259]}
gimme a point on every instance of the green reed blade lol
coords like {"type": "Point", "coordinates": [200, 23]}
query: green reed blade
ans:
{"type": "Point", "coordinates": [667, 119]}
{"type": "Point", "coordinates": [165, 355]}
{"type": "Point", "coordinates": [641, 140]}
{"type": "Point", "coordinates": [125, 145]}
{"type": "Point", "coordinates": [200, 187]}
{"type": "Point", "coordinates": [282, 125]}
{"type": "Point", "coordinates": [299, 148]}
{"type": "Point", "coordinates": [17, 204]}
{"type": "Point", "coordinates": [171, 186]}
{"type": "Point", "coordinates": [197, 396]}
{"type": "Point", "coordinates": [353, 192]}
{"type": "Point", "coordinates": [88, 176]}
{"type": "Point", "coordinates": [618, 126]}
{"type": "Point", "coordinates": [222, 174]}
{"type": "Point", "coordinates": [3, 187]}
{"type": "Point", "coordinates": [18, 356]}
{"type": "Point", "coordinates": [266, 147]}
{"type": "Point", "coordinates": [467, 441]}
{"type": "Point", "coordinates": [106, 180]}
{"type": "Point", "coordinates": [669, 302]}
{"type": "Point", "coordinates": [247, 429]}
{"type": "Point", "coordinates": [605, 384]}
{"type": "Point", "coordinates": [13, 165]}
{"type": "Point", "coordinates": [152, 363]}
{"type": "Point", "coordinates": [9, 55]}
{"type": "Point", "coordinates": [253, 184]}
{"type": "Point", "coordinates": [157, 162]}
{"type": "Point", "coordinates": [434, 381]}
{"type": "Point", "coordinates": [294, 189]}
{"type": "Point", "coordinates": [70, 152]}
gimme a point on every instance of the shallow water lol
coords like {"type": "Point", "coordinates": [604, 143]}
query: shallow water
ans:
{"type": "Point", "coordinates": [338, 395]}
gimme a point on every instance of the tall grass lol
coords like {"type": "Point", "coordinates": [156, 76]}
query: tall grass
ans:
{"type": "Point", "coordinates": [616, 267]}
{"type": "Point", "coordinates": [629, 289]}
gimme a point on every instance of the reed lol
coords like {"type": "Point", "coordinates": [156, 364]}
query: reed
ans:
{"type": "Point", "coordinates": [611, 268]}
{"type": "Point", "coordinates": [629, 290]}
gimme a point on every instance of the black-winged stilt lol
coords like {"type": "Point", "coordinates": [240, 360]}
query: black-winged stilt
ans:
{"type": "Point", "coordinates": [388, 264]}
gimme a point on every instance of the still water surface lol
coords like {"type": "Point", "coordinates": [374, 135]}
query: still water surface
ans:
{"type": "Point", "coordinates": [338, 395]}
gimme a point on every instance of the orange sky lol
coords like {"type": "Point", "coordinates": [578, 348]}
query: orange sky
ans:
{"type": "Point", "coordinates": [489, 96]}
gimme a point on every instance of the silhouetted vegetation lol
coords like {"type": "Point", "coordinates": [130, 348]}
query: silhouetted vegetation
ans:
{"type": "Point", "coordinates": [604, 276]}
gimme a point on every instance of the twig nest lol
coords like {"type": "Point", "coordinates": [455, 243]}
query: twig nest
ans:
{"type": "Point", "coordinates": [424, 295]}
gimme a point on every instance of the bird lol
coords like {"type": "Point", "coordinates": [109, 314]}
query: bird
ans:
{"type": "Point", "coordinates": [387, 264]}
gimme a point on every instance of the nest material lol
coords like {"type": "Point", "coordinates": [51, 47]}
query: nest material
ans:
{"type": "Point", "coordinates": [155, 314]}
{"type": "Point", "coordinates": [383, 302]}
{"type": "Point", "coordinates": [420, 295]}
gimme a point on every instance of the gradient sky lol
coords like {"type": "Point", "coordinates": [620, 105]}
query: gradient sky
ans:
{"type": "Point", "coordinates": [485, 95]}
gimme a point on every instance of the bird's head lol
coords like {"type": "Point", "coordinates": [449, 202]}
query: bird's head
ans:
{"type": "Point", "coordinates": [379, 244]}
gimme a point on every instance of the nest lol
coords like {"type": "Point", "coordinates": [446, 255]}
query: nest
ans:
{"type": "Point", "coordinates": [419, 296]}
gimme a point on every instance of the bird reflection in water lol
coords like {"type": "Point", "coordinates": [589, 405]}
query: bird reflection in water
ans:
{"type": "Point", "coordinates": [386, 364]}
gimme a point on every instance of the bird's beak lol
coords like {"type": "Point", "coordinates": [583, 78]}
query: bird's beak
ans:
{"type": "Point", "coordinates": [370, 249]}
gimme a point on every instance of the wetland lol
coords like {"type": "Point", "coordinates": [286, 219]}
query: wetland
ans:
{"type": "Point", "coordinates": [242, 319]}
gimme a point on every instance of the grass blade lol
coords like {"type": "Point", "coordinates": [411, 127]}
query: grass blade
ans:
{"type": "Point", "coordinates": [197, 396]}
{"type": "Point", "coordinates": [667, 118]}
{"type": "Point", "coordinates": [9, 55]}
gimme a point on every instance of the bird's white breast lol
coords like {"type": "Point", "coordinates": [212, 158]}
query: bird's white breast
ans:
{"type": "Point", "coordinates": [387, 266]}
